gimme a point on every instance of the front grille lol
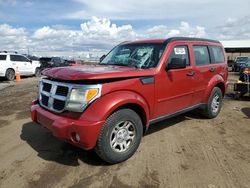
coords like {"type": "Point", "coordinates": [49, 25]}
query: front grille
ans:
{"type": "Point", "coordinates": [47, 87]}
{"type": "Point", "coordinates": [45, 100]}
{"type": "Point", "coordinates": [53, 95]}
{"type": "Point", "coordinates": [58, 104]}
{"type": "Point", "coordinates": [62, 90]}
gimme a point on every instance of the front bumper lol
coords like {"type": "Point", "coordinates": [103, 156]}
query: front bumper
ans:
{"type": "Point", "coordinates": [2, 74]}
{"type": "Point", "coordinates": [66, 128]}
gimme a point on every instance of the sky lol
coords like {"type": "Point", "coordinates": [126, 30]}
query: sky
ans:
{"type": "Point", "coordinates": [97, 25]}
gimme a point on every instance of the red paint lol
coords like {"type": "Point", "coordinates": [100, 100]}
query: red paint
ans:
{"type": "Point", "coordinates": [94, 72]}
{"type": "Point", "coordinates": [171, 91]}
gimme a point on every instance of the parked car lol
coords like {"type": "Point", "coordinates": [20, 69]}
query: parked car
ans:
{"type": "Point", "coordinates": [12, 61]}
{"type": "Point", "coordinates": [244, 66]}
{"type": "Point", "coordinates": [238, 63]}
{"type": "Point", "coordinates": [50, 62]}
{"type": "Point", "coordinates": [35, 62]}
{"type": "Point", "coordinates": [109, 106]}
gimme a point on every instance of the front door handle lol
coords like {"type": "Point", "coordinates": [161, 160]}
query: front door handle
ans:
{"type": "Point", "coordinates": [212, 69]}
{"type": "Point", "coordinates": [192, 73]}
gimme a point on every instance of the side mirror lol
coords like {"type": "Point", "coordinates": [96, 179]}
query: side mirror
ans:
{"type": "Point", "coordinates": [176, 63]}
{"type": "Point", "coordinates": [101, 58]}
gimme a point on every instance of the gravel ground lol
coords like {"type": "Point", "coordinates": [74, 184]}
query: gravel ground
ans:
{"type": "Point", "coordinates": [185, 151]}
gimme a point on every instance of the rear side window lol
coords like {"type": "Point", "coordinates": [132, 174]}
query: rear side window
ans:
{"type": "Point", "coordinates": [217, 55]}
{"type": "Point", "coordinates": [179, 52]}
{"type": "Point", "coordinates": [3, 57]}
{"type": "Point", "coordinates": [18, 58]}
{"type": "Point", "coordinates": [201, 55]}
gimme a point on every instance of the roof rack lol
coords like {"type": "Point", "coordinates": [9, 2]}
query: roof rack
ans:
{"type": "Point", "coordinates": [5, 51]}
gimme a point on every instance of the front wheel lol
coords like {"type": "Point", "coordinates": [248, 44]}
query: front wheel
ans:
{"type": "Point", "coordinates": [120, 136]}
{"type": "Point", "coordinates": [214, 104]}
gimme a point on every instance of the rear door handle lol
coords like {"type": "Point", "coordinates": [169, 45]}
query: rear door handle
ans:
{"type": "Point", "coordinates": [212, 69]}
{"type": "Point", "coordinates": [192, 73]}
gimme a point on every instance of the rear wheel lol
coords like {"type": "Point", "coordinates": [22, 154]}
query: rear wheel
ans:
{"type": "Point", "coordinates": [10, 74]}
{"type": "Point", "coordinates": [214, 104]}
{"type": "Point", "coordinates": [120, 136]}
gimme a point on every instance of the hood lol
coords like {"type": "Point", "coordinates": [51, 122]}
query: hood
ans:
{"type": "Point", "coordinates": [95, 72]}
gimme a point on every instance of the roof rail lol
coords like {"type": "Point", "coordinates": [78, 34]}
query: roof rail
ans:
{"type": "Point", "coordinates": [189, 39]}
{"type": "Point", "coordinates": [5, 51]}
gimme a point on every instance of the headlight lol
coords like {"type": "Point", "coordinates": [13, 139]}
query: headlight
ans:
{"type": "Point", "coordinates": [80, 98]}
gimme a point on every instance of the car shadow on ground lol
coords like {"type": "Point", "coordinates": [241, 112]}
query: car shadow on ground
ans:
{"type": "Point", "coordinates": [50, 148]}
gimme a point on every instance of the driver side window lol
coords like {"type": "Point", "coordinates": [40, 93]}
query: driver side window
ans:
{"type": "Point", "coordinates": [179, 52]}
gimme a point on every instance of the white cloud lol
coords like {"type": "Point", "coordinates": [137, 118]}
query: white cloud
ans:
{"type": "Point", "coordinates": [47, 32]}
{"type": "Point", "coordinates": [7, 30]}
{"type": "Point", "coordinates": [158, 31]}
{"type": "Point", "coordinates": [101, 33]}
{"type": "Point", "coordinates": [234, 28]}
{"type": "Point", "coordinates": [207, 12]}
{"type": "Point", "coordinates": [184, 29]}
{"type": "Point", "coordinates": [103, 29]}
{"type": "Point", "coordinates": [97, 33]}
{"type": "Point", "coordinates": [187, 30]}
{"type": "Point", "coordinates": [12, 38]}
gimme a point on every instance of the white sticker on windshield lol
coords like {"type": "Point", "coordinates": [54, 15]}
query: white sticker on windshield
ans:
{"type": "Point", "coordinates": [179, 51]}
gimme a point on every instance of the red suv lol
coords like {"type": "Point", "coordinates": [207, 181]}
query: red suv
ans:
{"type": "Point", "coordinates": [110, 105]}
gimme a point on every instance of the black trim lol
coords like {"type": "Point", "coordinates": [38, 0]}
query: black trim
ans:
{"type": "Point", "coordinates": [237, 50]}
{"type": "Point", "coordinates": [147, 80]}
{"type": "Point", "coordinates": [189, 39]}
{"type": "Point", "coordinates": [161, 118]}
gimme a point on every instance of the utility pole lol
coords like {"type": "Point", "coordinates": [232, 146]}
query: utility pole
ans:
{"type": "Point", "coordinates": [73, 55]}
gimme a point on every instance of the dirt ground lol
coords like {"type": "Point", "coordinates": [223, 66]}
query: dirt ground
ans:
{"type": "Point", "coordinates": [185, 151]}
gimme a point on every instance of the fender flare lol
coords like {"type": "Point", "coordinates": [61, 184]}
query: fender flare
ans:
{"type": "Point", "coordinates": [216, 80]}
{"type": "Point", "coordinates": [104, 106]}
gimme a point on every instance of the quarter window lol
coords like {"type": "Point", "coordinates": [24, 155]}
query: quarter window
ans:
{"type": "Point", "coordinates": [179, 52]}
{"type": "Point", "coordinates": [217, 55]}
{"type": "Point", "coordinates": [201, 55]}
{"type": "Point", "coordinates": [3, 57]}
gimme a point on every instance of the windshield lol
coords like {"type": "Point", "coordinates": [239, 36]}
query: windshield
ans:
{"type": "Point", "coordinates": [241, 59]}
{"type": "Point", "coordinates": [141, 55]}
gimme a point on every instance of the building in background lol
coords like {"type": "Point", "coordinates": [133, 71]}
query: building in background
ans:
{"type": "Point", "coordinates": [236, 48]}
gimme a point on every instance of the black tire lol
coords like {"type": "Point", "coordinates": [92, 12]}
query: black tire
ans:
{"type": "Point", "coordinates": [211, 110]}
{"type": "Point", "coordinates": [10, 74]}
{"type": "Point", "coordinates": [38, 72]}
{"type": "Point", "coordinates": [104, 149]}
